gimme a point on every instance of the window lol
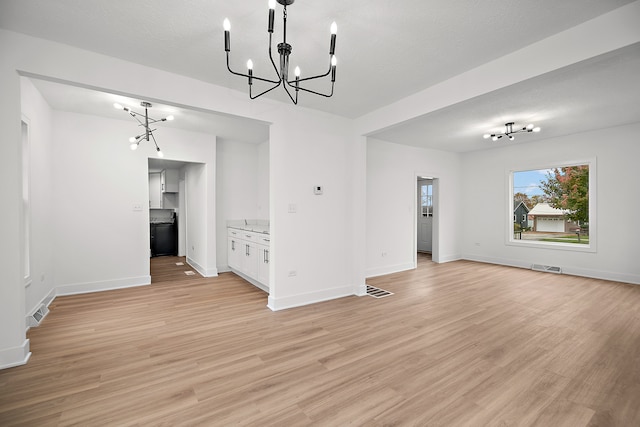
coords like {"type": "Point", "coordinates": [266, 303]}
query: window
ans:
{"type": "Point", "coordinates": [426, 199]}
{"type": "Point", "coordinates": [560, 199]}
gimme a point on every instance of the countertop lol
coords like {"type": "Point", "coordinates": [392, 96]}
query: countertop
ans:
{"type": "Point", "coordinates": [256, 228]}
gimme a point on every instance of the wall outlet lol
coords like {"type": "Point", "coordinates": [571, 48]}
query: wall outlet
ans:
{"type": "Point", "coordinates": [317, 190]}
{"type": "Point", "coordinates": [137, 207]}
{"type": "Point", "coordinates": [384, 254]}
{"type": "Point", "coordinates": [292, 273]}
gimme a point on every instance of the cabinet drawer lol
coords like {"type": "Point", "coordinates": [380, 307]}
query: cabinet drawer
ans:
{"type": "Point", "coordinates": [234, 232]}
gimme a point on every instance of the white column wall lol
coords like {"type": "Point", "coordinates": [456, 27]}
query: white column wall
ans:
{"type": "Point", "coordinates": [38, 114]}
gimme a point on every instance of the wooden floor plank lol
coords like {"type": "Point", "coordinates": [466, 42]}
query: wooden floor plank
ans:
{"type": "Point", "coordinates": [458, 344]}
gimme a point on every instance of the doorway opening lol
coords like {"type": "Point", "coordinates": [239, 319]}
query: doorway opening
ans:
{"type": "Point", "coordinates": [170, 222]}
{"type": "Point", "coordinates": [426, 218]}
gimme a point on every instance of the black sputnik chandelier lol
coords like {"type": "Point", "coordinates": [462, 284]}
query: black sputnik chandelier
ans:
{"type": "Point", "coordinates": [145, 121]}
{"type": "Point", "coordinates": [284, 50]}
{"type": "Point", "coordinates": [509, 132]}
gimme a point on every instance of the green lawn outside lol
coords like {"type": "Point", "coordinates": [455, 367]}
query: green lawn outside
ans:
{"type": "Point", "coordinates": [584, 240]}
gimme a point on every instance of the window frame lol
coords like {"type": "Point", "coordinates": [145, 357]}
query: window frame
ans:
{"type": "Point", "coordinates": [510, 238]}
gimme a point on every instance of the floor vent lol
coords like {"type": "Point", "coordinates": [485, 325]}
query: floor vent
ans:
{"type": "Point", "coordinates": [36, 318]}
{"type": "Point", "coordinates": [190, 273]}
{"type": "Point", "coordinates": [546, 268]}
{"type": "Point", "coordinates": [377, 293]}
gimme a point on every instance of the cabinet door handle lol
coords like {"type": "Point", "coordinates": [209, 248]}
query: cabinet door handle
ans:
{"type": "Point", "coordinates": [248, 236]}
{"type": "Point", "coordinates": [233, 245]}
{"type": "Point", "coordinates": [247, 250]}
{"type": "Point", "coordinates": [266, 240]}
{"type": "Point", "coordinates": [266, 256]}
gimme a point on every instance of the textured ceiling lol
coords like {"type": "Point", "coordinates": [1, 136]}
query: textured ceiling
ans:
{"type": "Point", "coordinates": [386, 51]}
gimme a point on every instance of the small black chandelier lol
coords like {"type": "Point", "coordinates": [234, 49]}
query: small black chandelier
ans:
{"type": "Point", "coordinates": [509, 132]}
{"type": "Point", "coordinates": [148, 132]}
{"type": "Point", "coordinates": [284, 49]}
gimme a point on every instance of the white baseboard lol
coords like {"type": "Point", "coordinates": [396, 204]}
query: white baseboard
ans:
{"type": "Point", "coordinates": [107, 285]}
{"type": "Point", "coordinates": [381, 271]}
{"type": "Point", "coordinates": [582, 272]}
{"type": "Point", "coordinates": [449, 258]}
{"type": "Point", "coordinates": [213, 272]}
{"type": "Point", "coordinates": [15, 356]}
{"type": "Point", "coordinates": [276, 304]}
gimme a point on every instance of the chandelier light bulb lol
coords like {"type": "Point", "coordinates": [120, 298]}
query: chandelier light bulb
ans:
{"type": "Point", "coordinates": [272, 4]}
{"type": "Point", "coordinates": [250, 65]}
{"type": "Point", "coordinates": [486, 135]}
{"type": "Point", "coordinates": [536, 129]}
{"type": "Point", "coordinates": [133, 146]}
{"type": "Point", "coordinates": [160, 154]}
{"type": "Point", "coordinates": [494, 138]}
{"type": "Point", "coordinates": [226, 24]}
{"type": "Point", "coordinates": [297, 71]}
{"type": "Point", "coordinates": [118, 106]}
{"type": "Point", "coordinates": [511, 138]}
{"type": "Point", "coordinates": [133, 139]}
{"type": "Point", "coordinates": [334, 28]}
{"type": "Point", "coordinates": [530, 126]}
{"type": "Point", "coordinates": [334, 61]}
{"type": "Point", "coordinates": [170, 118]}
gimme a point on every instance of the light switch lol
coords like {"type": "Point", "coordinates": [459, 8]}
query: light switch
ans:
{"type": "Point", "coordinates": [293, 208]}
{"type": "Point", "coordinates": [137, 208]}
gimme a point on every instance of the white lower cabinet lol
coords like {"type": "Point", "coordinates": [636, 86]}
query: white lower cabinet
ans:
{"type": "Point", "coordinates": [263, 263]}
{"type": "Point", "coordinates": [234, 253]}
{"type": "Point", "coordinates": [248, 255]}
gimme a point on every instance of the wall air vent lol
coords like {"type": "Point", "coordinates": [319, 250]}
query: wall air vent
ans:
{"type": "Point", "coordinates": [38, 315]}
{"type": "Point", "coordinates": [546, 268]}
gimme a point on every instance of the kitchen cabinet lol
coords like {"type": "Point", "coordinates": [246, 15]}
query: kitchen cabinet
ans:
{"type": "Point", "coordinates": [248, 256]}
{"type": "Point", "coordinates": [234, 252]}
{"type": "Point", "coordinates": [263, 263]}
{"type": "Point", "coordinates": [169, 181]}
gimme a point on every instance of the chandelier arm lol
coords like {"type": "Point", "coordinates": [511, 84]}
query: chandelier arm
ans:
{"type": "Point", "coordinates": [313, 77]}
{"type": "Point", "coordinates": [135, 116]}
{"type": "Point", "coordinates": [275, 67]}
{"type": "Point", "coordinates": [262, 93]}
{"type": "Point", "coordinates": [317, 93]}
{"type": "Point", "coordinates": [154, 140]}
{"type": "Point", "coordinates": [295, 101]}
{"type": "Point", "coordinates": [247, 75]}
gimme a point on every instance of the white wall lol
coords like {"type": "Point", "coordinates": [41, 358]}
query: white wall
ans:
{"type": "Point", "coordinates": [312, 251]}
{"type": "Point", "coordinates": [392, 171]}
{"type": "Point", "coordinates": [196, 216]}
{"type": "Point", "coordinates": [101, 241]}
{"type": "Point", "coordinates": [263, 181]}
{"type": "Point", "coordinates": [37, 112]}
{"type": "Point", "coordinates": [616, 151]}
{"type": "Point", "coordinates": [238, 168]}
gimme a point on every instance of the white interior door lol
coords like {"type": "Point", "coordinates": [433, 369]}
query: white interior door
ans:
{"type": "Point", "coordinates": [425, 215]}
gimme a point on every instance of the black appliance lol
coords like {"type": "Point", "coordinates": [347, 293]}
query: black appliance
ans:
{"type": "Point", "coordinates": [164, 238]}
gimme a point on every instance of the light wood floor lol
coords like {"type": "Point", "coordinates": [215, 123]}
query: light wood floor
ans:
{"type": "Point", "coordinates": [459, 344]}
